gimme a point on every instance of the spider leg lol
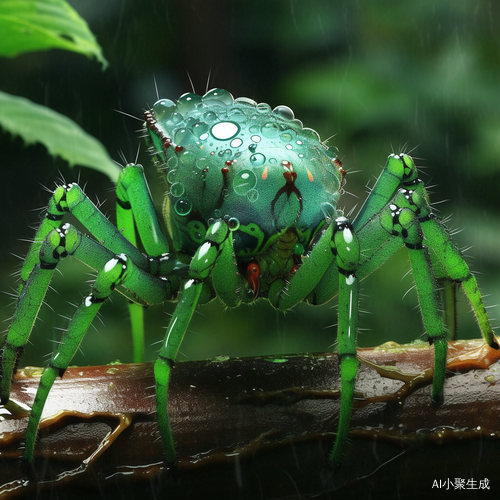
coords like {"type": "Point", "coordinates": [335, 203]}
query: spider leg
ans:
{"type": "Point", "coordinates": [40, 262]}
{"type": "Point", "coordinates": [395, 174]}
{"type": "Point", "coordinates": [456, 271]}
{"type": "Point", "coordinates": [449, 267]}
{"type": "Point", "coordinates": [142, 283]}
{"type": "Point", "coordinates": [435, 259]}
{"type": "Point", "coordinates": [347, 252]}
{"type": "Point", "coordinates": [428, 294]}
{"type": "Point", "coordinates": [113, 271]}
{"type": "Point", "coordinates": [136, 217]}
{"type": "Point", "coordinates": [57, 244]}
{"type": "Point", "coordinates": [213, 258]}
{"type": "Point", "coordinates": [337, 250]}
{"type": "Point", "coordinates": [367, 227]}
{"type": "Point", "coordinates": [396, 214]}
{"type": "Point", "coordinates": [188, 299]}
{"type": "Point", "coordinates": [229, 284]}
{"type": "Point", "coordinates": [71, 199]}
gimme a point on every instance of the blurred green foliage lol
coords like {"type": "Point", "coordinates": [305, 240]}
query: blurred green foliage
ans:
{"type": "Point", "coordinates": [34, 25]}
{"type": "Point", "coordinates": [375, 77]}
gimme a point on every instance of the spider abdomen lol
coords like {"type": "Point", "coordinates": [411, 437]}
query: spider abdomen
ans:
{"type": "Point", "coordinates": [234, 159]}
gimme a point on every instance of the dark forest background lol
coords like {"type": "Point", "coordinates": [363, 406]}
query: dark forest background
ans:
{"type": "Point", "coordinates": [374, 77]}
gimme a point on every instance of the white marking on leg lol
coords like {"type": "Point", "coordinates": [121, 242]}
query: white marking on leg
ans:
{"type": "Point", "coordinates": [110, 264]}
{"type": "Point", "coordinates": [347, 235]}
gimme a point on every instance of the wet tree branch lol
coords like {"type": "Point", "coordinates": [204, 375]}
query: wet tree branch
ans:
{"type": "Point", "coordinates": [261, 428]}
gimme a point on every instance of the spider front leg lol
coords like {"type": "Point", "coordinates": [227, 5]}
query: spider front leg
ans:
{"type": "Point", "coordinates": [214, 258]}
{"type": "Point", "coordinates": [338, 248]}
{"type": "Point", "coordinates": [189, 295]}
{"type": "Point", "coordinates": [448, 265]}
{"type": "Point", "coordinates": [402, 217]}
{"type": "Point", "coordinates": [347, 251]}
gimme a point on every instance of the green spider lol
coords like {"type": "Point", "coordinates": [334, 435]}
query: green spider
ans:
{"type": "Point", "coordinates": [251, 212]}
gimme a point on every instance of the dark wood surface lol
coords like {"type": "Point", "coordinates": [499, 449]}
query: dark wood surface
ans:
{"type": "Point", "coordinates": [262, 428]}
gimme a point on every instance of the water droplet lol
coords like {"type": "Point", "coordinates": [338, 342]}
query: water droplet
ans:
{"type": "Point", "coordinates": [171, 176]}
{"type": "Point", "coordinates": [203, 137]}
{"type": "Point", "coordinates": [188, 102]}
{"type": "Point", "coordinates": [224, 130]}
{"type": "Point", "coordinates": [255, 138]}
{"type": "Point", "coordinates": [202, 163]}
{"type": "Point", "coordinates": [253, 195]}
{"type": "Point", "coordinates": [246, 100]}
{"type": "Point", "coordinates": [233, 223]}
{"type": "Point", "coordinates": [257, 159]}
{"type": "Point", "coordinates": [328, 210]}
{"type": "Point", "coordinates": [176, 118]}
{"type": "Point", "coordinates": [237, 115]}
{"type": "Point", "coordinates": [172, 162]}
{"type": "Point", "coordinates": [263, 108]}
{"type": "Point", "coordinates": [183, 206]}
{"type": "Point", "coordinates": [177, 189]}
{"type": "Point", "coordinates": [164, 109]}
{"type": "Point", "coordinates": [210, 117]}
{"type": "Point", "coordinates": [285, 112]}
{"type": "Point", "coordinates": [220, 95]}
{"type": "Point", "coordinates": [244, 182]}
{"type": "Point", "coordinates": [310, 134]}
{"type": "Point", "coordinates": [226, 153]}
{"type": "Point", "coordinates": [236, 143]}
{"type": "Point", "coordinates": [252, 147]}
{"type": "Point", "coordinates": [199, 129]}
{"type": "Point", "coordinates": [270, 130]}
{"type": "Point", "coordinates": [190, 121]}
{"type": "Point", "coordinates": [183, 136]}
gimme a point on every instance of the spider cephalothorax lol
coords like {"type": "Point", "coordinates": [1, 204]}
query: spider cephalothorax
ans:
{"type": "Point", "coordinates": [251, 212]}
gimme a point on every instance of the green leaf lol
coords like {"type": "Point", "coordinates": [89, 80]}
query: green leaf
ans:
{"type": "Point", "coordinates": [27, 26]}
{"type": "Point", "coordinates": [60, 135]}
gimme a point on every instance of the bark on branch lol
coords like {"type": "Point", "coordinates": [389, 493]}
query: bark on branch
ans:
{"type": "Point", "coordinates": [262, 428]}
